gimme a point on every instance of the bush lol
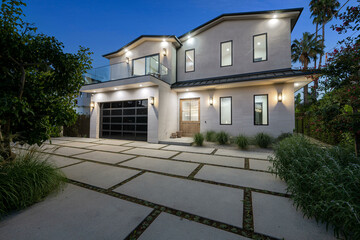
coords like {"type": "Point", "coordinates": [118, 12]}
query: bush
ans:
{"type": "Point", "coordinates": [27, 180]}
{"type": "Point", "coordinates": [323, 182]}
{"type": "Point", "coordinates": [222, 137]}
{"type": "Point", "coordinates": [198, 139]}
{"type": "Point", "coordinates": [263, 140]}
{"type": "Point", "coordinates": [242, 141]}
{"type": "Point", "coordinates": [283, 136]}
{"type": "Point", "coordinates": [210, 136]}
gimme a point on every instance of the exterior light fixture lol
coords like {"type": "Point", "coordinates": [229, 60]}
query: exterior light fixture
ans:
{"type": "Point", "coordinates": [94, 91]}
{"type": "Point", "coordinates": [92, 105]}
{"type": "Point", "coordinates": [189, 36]}
{"type": "Point", "coordinates": [275, 16]}
{"type": "Point", "coordinates": [140, 85]}
{"type": "Point", "coordinates": [211, 101]}
{"type": "Point", "coordinates": [152, 100]}
{"type": "Point", "coordinates": [187, 90]}
{"type": "Point", "coordinates": [280, 97]}
{"type": "Point", "coordinates": [126, 50]}
{"type": "Point", "coordinates": [164, 51]}
{"type": "Point", "coordinates": [115, 88]}
{"type": "Point", "coordinates": [127, 60]}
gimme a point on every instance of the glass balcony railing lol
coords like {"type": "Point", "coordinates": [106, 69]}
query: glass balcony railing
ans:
{"type": "Point", "coordinates": [138, 67]}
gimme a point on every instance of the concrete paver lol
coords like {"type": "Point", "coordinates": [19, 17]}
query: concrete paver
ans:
{"type": "Point", "coordinates": [259, 164]}
{"type": "Point", "coordinates": [145, 145]}
{"type": "Point", "coordinates": [245, 154]}
{"type": "Point", "coordinates": [158, 165]}
{"type": "Point", "coordinates": [151, 152]}
{"type": "Point", "coordinates": [67, 151]}
{"type": "Point", "coordinates": [105, 157]}
{"type": "Point", "coordinates": [211, 201]}
{"type": "Point", "coordinates": [99, 175]}
{"type": "Point", "coordinates": [60, 161]}
{"type": "Point", "coordinates": [113, 142]}
{"type": "Point", "coordinates": [76, 213]}
{"type": "Point", "coordinates": [189, 149]}
{"type": "Point", "coordinates": [167, 226]}
{"type": "Point", "coordinates": [244, 178]}
{"type": "Point", "coordinates": [109, 148]}
{"type": "Point", "coordinates": [277, 217]}
{"type": "Point", "coordinates": [77, 144]}
{"type": "Point", "coordinates": [211, 159]}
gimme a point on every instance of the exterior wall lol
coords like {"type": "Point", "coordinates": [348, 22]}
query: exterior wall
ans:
{"type": "Point", "coordinates": [131, 94]}
{"type": "Point", "coordinates": [168, 112]}
{"type": "Point", "coordinates": [145, 49]}
{"type": "Point", "coordinates": [281, 114]}
{"type": "Point", "coordinates": [241, 32]}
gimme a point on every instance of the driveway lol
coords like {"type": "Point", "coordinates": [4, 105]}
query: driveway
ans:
{"type": "Point", "coordinates": [124, 189]}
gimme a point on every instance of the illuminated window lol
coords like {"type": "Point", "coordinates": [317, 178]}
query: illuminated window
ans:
{"type": "Point", "coordinates": [190, 60]}
{"type": "Point", "coordinates": [226, 54]}
{"type": "Point", "coordinates": [225, 111]}
{"type": "Point", "coordinates": [261, 113]}
{"type": "Point", "coordinates": [260, 47]}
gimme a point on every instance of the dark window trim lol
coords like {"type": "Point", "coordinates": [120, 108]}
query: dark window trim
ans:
{"type": "Point", "coordinates": [193, 49]}
{"type": "Point", "coordinates": [267, 106]}
{"type": "Point", "coordinates": [231, 41]}
{"type": "Point", "coordinates": [151, 55]}
{"type": "Point", "coordinates": [230, 110]}
{"type": "Point", "coordinates": [266, 39]}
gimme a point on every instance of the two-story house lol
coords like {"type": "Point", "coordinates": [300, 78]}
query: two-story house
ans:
{"type": "Point", "coordinates": [232, 73]}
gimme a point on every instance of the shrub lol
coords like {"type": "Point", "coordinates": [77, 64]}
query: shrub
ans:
{"type": "Point", "coordinates": [323, 182]}
{"type": "Point", "coordinates": [198, 139]}
{"type": "Point", "coordinates": [263, 140]}
{"type": "Point", "coordinates": [222, 137]}
{"type": "Point", "coordinates": [283, 136]}
{"type": "Point", "coordinates": [242, 141]}
{"type": "Point", "coordinates": [210, 136]}
{"type": "Point", "coordinates": [26, 180]}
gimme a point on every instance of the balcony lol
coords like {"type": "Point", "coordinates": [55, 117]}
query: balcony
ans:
{"type": "Point", "coordinates": [124, 70]}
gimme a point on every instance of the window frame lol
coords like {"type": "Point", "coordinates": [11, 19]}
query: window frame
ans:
{"type": "Point", "coordinates": [267, 106]}
{"type": "Point", "coordinates": [229, 41]}
{"type": "Point", "coordinates": [266, 40]}
{"type": "Point", "coordinates": [188, 50]}
{"type": "Point", "coordinates": [151, 55]}
{"type": "Point", "coordinates": [230, 110]}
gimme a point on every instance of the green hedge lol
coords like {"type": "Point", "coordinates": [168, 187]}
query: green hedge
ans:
{"type": "Point", "coordinates": [324, 182]}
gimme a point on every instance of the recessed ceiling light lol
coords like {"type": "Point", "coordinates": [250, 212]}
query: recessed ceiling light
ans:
{"type": "Point", "coordinates": [296, 84]}
{"type": "Point", "coordinates": [275, 16]}
{"type": "Point", "coordinates": [94, 91]}
{"type": "Point", "coordinates": [140, 85]}
{"type": "Point", "coordinates": [115, 88]}
{"type": "Point", "coordinates": [126, 50]}
{"type": "Point", "coordinates": [187, 90]}
{"type": "Point", "coordinates": [189, 36]}
{"type": "Point", "coordinates": [164, 40]}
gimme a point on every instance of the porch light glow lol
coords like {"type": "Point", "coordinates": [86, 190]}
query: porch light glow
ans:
{"type": "Point", "coordinates": [152, 100]}
{"type": "Point", "coordinates": [280, 97]}
{"type": "Point", "coordinates": [127, 60]}
{"type": "Point", "coordinates": [92, 105]}
{"type": "Point", "coordinates": [211, 101]}
{"type": "Point", "coordinates": [275, 16]}
{"type": "Point", "coordinates": [140, 85]}
{"type": "Point", "coordinates": [164, 51]}
{"type": "Point", "coordinates": [187, 90]}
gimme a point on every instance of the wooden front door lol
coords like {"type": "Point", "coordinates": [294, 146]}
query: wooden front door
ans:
{"type": "Point", "coordinates": [190, 116]}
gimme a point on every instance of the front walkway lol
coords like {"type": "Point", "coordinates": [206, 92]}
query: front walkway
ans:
{"type": "Point", "coordinates": [121, 189]}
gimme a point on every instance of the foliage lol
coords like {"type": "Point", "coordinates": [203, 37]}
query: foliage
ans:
{"type": "Point", "coordinates": [263, 140]}
{"type": "Point", "coordinates": [323, 182]}
{"type": "Point", "coordinates": [242, 141]}
{"type": "Point", "coordinates": [305, 49]}
{"type": "Point", "coordinates": [81, 128]}
{"type": "Point", "coordinates": [38, 81]}
{"type": "Point", "coordinates": [222, 138]}
{"type": "Point", "coordinates": [210, 136]}
{"type": "Point", "coordinates": [27, 180]}
{"type": "Point", "coordinates": [283, 136]}
{"type": "Point", "coordinates": [199, 139]}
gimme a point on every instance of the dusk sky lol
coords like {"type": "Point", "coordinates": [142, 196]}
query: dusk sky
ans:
{"type": "Point", "coordinates": [105, 26]}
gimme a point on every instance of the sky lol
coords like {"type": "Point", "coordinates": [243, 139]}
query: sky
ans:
{"type": "Point", "coordinates": [107, 25]}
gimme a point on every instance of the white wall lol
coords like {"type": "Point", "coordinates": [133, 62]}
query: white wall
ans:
{"type": "Point", "coordinates": [241, 32]}
{"type": "Point", "coordinates": [281, 114]}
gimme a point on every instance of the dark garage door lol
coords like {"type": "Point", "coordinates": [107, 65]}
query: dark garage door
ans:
{"type": "Point", "coordinates": [124, 120]}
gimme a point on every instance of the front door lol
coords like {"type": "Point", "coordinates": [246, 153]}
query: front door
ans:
{"type": "Point", "coordinates": [190, 116]}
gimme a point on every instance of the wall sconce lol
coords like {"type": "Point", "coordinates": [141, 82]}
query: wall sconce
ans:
{"type": "Point", "coordinates": [164, 51]}
{"type": "Point", "coordinates": [211, 102]}
{"type": "Point", "coordinates": [92, 105]}
{"type": "Point", "coordinates": [152, 100]}
{"type": "Point", "coordinates": [127, 60]}
{"type": "Point", "coordinates": [280, 97]}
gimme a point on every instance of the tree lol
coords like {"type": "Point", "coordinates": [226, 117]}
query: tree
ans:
{"type": "Point", "coordinates": [315, 9]}
{"type": "Point", "coordinates": [38, 81]}
{"type": "Point", "coordinates": [305, 50]}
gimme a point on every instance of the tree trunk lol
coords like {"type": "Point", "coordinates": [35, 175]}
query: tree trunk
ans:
{"type": "Point", "coordinates": [317, 29]}
{"type": "Point", "coordinates": [6, 152]}
{"type": "Point", "coordinates": [306, 87]}
{"type": "Point", "coordinates": [322, 43]}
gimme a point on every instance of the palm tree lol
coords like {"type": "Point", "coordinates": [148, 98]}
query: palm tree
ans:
{"type": "Point", "coordinates": [315, 9]}
{"type": "Point", "coordinates": [305, 50]}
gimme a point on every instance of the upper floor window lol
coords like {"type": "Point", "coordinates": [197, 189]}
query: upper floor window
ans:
{"type": "Point", "coordinates": [261, 113]}
{"type": "Point", "coordinates": [225, 111]}
{"type": "Point", "coordinates": [190, 60]}
{"type": "Point", "coordinates": [260, 47]}
{"type": "Point", "coordinates": [146, 65]}
{"type": "Point", "coordinates": [226, 54]}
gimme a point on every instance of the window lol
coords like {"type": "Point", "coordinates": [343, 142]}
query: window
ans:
{"type": "Point", "coordinates": [260, 47]}
{"type": "Point", "coordinates": [226, 54]}
{"type": "Point", "coordinates": [190, 110]}
{"type": "Point", "coordinates": [190, 60]}
{"type": "Point", "coordinates": [146, 65]}
{"type": "Point", "coordinates": [225, 111]}
{"type": "Point", "coordinates": [261, 113]}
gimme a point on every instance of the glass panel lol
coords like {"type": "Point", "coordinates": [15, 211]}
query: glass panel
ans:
{"type": "Point", "coordinates": [225, 110]}
{"type": "Point", "coordinates": [194, 110]}
{"type": "Point", "coordinates": [141, 119]}
{"type": "Point", "coordinates": [129, 120]}
{"type": "Point", "coordinates": [129, 111]}
{"type": "Point", "coordinates": [141, 111]}
{"type": "Point", "coordinates": [260, 51]}
{"type": "Point", "coordinates": [226, 54]}
{"type": "Point", "coordinates": [116, 112]}
{"type": "Point", "coordinates": [128, 104]}
{"type": "Point", "coordinates": [261, 110]}
{"type": "Point", "coordinates": [185, 108]}
{"type": "Point", "coordinates": [116, 105]}
{"type": "Point", "coordinates": [106, 119]}
{"type": "Point", "coordinates": [129, 127]}
{"type": "Point", "coordinates": [141, 103]}
{"type": "Point", "coordinates": [117, 127]}
{"type": "Point", "coordinates": [152, 64]}
{"type": "Point", "coordinates": [105, 126]}
{"type": "Point", "coordinates": [106, 112]}
{"type": "Point", "coordinates": [141, 128]}
{"type": "Point", "coordinates": [105, 133]}
{"type": "Point", "coordinates": [116, 120]}
{"type": "Point", "coordinates": [106, 105]}
{"type": "Point", "coordinates": [189, 60]}
{"type": "Point", "coordinates": [139, 67]}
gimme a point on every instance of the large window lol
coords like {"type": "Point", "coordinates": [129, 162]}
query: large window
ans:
{"type": "Point", "coordinates": [146, 65]}
{"type": "Point", "coordinates": [260, 47]}
{"type": "Point", "coordinates": [190, 110]}
{"type": "Point", "coordinates": [190, 60]}
{"type": "Point", "coordinates": [226, 54]}
{"type": "Point", "coordinates": [261, 113]}
{"type": "Point", "coordinates": [225, 111]}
